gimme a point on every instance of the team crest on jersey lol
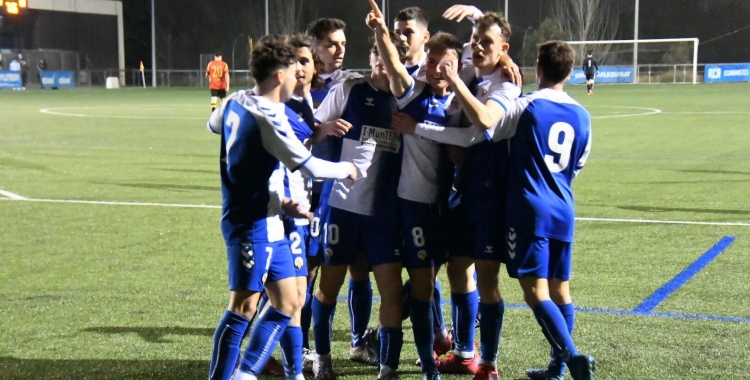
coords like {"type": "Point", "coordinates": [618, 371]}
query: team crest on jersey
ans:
{"type": "Point", "coordinates": [421, 71]}
{"type": "Point", "coordinates": [380, 139]}
{"type": "Point", "coordinates": [298, 263]}
{"type": "Point", "coordinates": [422, 255]}
{"type": "Point", "coordinates": [370, 101]}
{"type": "Point", "coordinates": [248, 257]}
{"type": "Point", "coordinates": [484, 93]}
{"type": "Point", "coordinates": [329, 253]}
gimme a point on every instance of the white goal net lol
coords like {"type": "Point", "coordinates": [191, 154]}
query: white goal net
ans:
{"type": "Point", "coordinates": [642, 61]}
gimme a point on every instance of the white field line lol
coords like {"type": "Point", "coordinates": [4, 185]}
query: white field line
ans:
{"type": "Point", "coordinates": [648, 111]}
{"type": "Point", "coordinates": [178, 205]}
{"type": "Point", "coordinates": [54, 111]}
{"type": "Point", "coordinates": [13, 196]}
{"type": "Point", "coordinates": [113, 203]}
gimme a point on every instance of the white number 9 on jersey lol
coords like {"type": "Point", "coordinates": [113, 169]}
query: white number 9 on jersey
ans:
{"type": "Point", "coordinates": [563, 149]}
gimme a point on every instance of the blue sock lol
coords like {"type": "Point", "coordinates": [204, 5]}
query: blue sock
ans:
{"type": "Point", "coordinates": [263, 339]}
{"type": "Point", "coordinates": [306, 317]}
{"type": "Point", "coordinates": [291, 349]}
{"type": "Point", "coordinates": [391, 341]}
{"type": "Point", "coordinates": [465, 308]}
{"type": "Point", "coordinates": [555, 329]}
{"type": "Point", "coordinates": [227, 340]}
{"type": "Point", "coordinates": [322, 325]}
{"type": "Point", "coordinates": [406, 300]}
{"type": "Point", "coordinates": [360, 307]}
{"type": "Point", "coordinates": [421, 324]}
{"type": "Point", "coordinates": [568, 312]}
{"type": "Point", "coordinates": [491, 330]}
{"type": "Point", "coordinates": [438, 325]}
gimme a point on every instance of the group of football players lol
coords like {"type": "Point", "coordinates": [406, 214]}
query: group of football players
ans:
{"type": "Point", "coordinates": [433, 159]}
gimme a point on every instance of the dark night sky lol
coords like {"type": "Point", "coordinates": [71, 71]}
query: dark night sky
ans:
{"type": "Point", "coordinates": [205, 26]}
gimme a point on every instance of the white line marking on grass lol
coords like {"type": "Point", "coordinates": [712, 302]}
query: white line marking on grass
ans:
{"type": "Point", "coordinates": [54, 111]}
{"type": "Point", "coordinates": [180, 205]}
{"type": "Point", "coordinates": [649, 111]}
{"type": "Point", "coordinates": [615, 220]}
{"type": "Point", "coordinates": [13, 196]}
{"type": "Point", "coordinates": [708, 112]}
{"type": "Point", "coordinates": [113, 203]}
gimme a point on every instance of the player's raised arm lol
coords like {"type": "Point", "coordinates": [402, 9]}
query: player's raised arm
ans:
{"type": "Point", "coordinates": [400, 80]}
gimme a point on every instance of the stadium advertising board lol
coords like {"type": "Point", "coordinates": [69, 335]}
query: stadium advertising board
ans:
{"type": "Point", "coordinates": [58, 79]}
{"type": "Point", "coordinates": [10, 79]}
{"type": "Point", "coordinates": [727, 73]}
{"type": "Point", "coordinates": [606, 74]}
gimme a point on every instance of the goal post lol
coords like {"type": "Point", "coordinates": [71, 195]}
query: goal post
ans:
{"type": "Point", "coordinates": [669, 60]}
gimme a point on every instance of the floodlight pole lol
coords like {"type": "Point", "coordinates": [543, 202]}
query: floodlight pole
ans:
{"type": "Point", "coordinates": [506, 11]}
{"type": "Point", "coordinates": [635, 45]}
{"type": "Point", "coordinates": [266, 17]}
{"type": "Point", "coordinates": [153, 45]}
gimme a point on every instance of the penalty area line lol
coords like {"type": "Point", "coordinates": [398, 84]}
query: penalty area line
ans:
{"type": "Point", "coordinates": [13, 196]}
{"type": "Point", "coordinates": [184, 205]}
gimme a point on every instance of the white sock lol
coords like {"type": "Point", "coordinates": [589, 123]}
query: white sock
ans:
{"type": "Point", "coordinates": [239, 375]}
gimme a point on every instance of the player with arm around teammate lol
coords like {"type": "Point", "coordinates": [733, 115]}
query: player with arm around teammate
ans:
{"type": "Point", "coordinates": [424, 174]}
{"type": "Point", "coordinates": [484, 103]}
{"type": "Point", "coordinates": [257, 143]}
{"type": "Point", "coordinates": [361, 217]}
{"type": "Point", "coordinates": [411, 25]}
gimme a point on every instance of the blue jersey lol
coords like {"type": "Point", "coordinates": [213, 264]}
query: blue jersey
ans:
{"type": "Point", "coordinates": [256, 140]}
{"type": "Point", "coordinates": [551, 140]}
{"type": "Point", "coordinates": [371, 144]}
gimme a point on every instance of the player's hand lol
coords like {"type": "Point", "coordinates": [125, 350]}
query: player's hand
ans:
{"type": "Point", "coordinates": [291, 209]}
{"type": "Point", "coordinates": [510, 70]}
{"type": "Point", "coordinates": [337, 128]}
{"type": "Point", "coordinates": [459, 12]}
{"type": "Point", "coordinates": [449, 69]}
{"type": "Point", "coordinates": [403, 123]}
{"type": "Point", "coordinates": [353, 175]}
{"type": "Point", "coordinates": [375, 18]}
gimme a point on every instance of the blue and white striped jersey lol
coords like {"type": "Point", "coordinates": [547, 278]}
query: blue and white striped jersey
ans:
{"type": "Point", "coordinates": [371, 144]}
{"type": "Point", "coordinates": [257, 142]}
{"type": "Point", "coordinates": [424, 166]}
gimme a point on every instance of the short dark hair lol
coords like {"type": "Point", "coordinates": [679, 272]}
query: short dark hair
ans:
{"type": "Point", "coordinates": [485, 22]}
{"type": "Point", "coordinates": [271, 53]}
{"type": "Point", "coordinates": [556, 60]}
{"type": "Point", "coordinates": [217, 54]}
{"type": "Point", "coordinates": [413, 13]}
{"type": "Point", "coordinates": [589, 52]}
{"type": "Point", "coordinates": [443, 41]}
{"type": "Point", "coordinates": [321, 26]}
{"type": "Point", "coordinates": [300, 41]}
{"type": "Point", "coordinates": [400, 47]}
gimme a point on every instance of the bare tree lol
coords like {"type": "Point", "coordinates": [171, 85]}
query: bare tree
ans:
{"type": "Point", "coordinates": [287, 16]}
{"type": "Point", "coordinates": [587, 20]}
